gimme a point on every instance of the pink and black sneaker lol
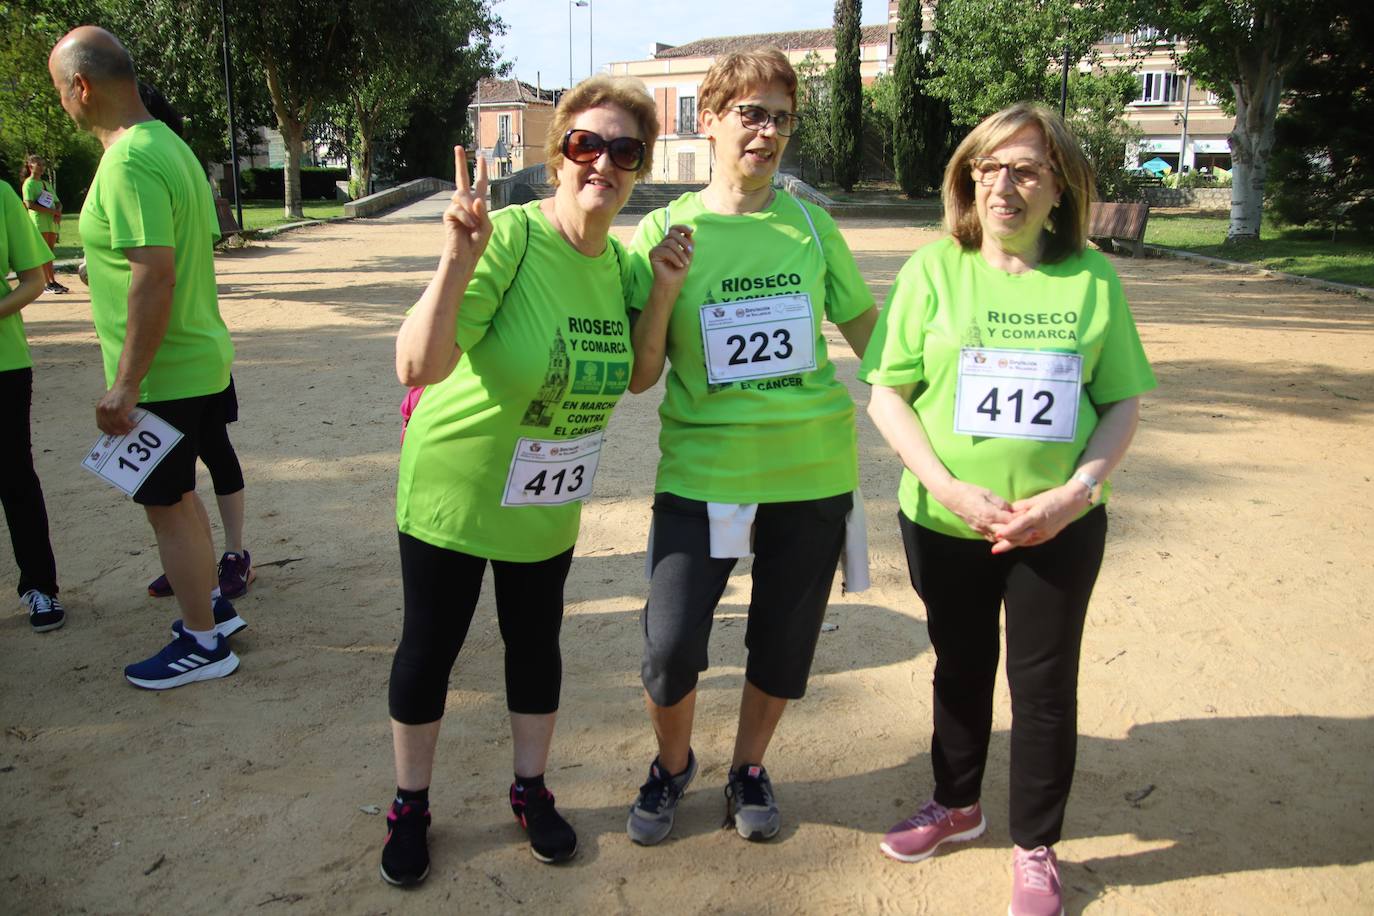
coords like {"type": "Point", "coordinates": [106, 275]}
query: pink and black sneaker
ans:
{"type": "Point", "coordinates": [405, 854]}
{"type": "Point", "coordinates": [552, 839]}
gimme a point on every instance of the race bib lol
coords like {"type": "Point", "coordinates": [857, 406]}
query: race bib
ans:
{"type": "Point", "coordinates": [551, 472]}
{"type": "Point", "coordinates": [758, 338]}
{"type": "Point", "coordinates": [126, 461]}
{"type": "Point", "coordinates": [1018, 394]}
{"type": "Point", "coordinates": [45, 199]}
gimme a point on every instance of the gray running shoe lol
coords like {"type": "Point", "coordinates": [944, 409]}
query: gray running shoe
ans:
{"type": "Point", "coordinates": [651, 818]}
{"type": "Point", "coordinates": [749, 803]}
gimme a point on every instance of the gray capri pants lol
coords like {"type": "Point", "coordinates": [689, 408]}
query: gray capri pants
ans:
{"type": "Point", "coordinates": [796, 550]}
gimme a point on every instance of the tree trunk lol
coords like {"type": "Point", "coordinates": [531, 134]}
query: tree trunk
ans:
{"type": "Point", "coordinates": [293, 133]}
{"type": "Point", "coordinates": [1252, 142]}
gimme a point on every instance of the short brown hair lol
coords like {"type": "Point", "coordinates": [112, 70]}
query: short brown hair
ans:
{"type": "Point", "coordinates": [1067, 232]}
{"type": "Point", "coordinates": [735, 74]}
{"type": "Point", "coordinates": [624, 92]}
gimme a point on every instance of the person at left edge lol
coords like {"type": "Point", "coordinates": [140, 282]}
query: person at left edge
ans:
{"type": "Point", "coordinates": [523, 341]}
{"type": "Point", "coordinates": [23, 250]}
{"type": "Point", "coordinates": [148, 226]}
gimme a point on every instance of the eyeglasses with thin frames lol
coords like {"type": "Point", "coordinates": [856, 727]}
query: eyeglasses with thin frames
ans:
{"type": "Point", "coordinates": [584, 146]}
{"type": "Point", "coordinates": [1025, 173]}
{"type": "Point", "coordinates": [756, 117]}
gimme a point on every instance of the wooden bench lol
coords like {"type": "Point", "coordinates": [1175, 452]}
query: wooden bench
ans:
{"type": "Point", "coordinates": [1110, 225]}
{"type": "Point", "coordinates": [225, 211]}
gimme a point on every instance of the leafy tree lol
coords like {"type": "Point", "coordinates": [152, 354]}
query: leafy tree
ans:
{"type": "Point", "coordinates": [31, 116]}
{"type": "Point", "coordinates": [812, 145]}
{"type": "Point", "coordinates": [395, 53]}
{"type": "Point", "coordinates": [1097, 107]}
{"type": "Point", "coordinates": [1245, 50]}
{"type": "Point", "coordinates": [299, 47]}
{"type": "Point", "coordinates": [1320, 169]}
{"type": "Point", "coordinates": [994, 53]}
{"type": "Point", "coordinates": [846, 94]}
{"type": "Point", "coordinates": [880, 101]}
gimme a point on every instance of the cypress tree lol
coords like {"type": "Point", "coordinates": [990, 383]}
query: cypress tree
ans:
{"type": "Point", "coordinates": [846, 94]}
{"type": "Point", "coordinates": [907, 164]}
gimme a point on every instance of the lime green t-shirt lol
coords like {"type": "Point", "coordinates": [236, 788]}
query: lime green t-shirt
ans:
{"type": "Point", "coordinates": [33, 189]}
{"type": "Point", "coordinates": [21, 248]}
{"type": "Point", "coordinates": [772, 439]}
{"type": "Point", "coordinates": [546, 354]}
{"type": "Point", "coordinates": [150, 191]}
{"type": "Point", "coordinates": [945, 300]}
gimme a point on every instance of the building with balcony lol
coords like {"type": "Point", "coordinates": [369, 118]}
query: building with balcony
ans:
{"type": "Point", "coordinates": [1180, 121]}
{"type": "Point", "coordinates": [673, 74]}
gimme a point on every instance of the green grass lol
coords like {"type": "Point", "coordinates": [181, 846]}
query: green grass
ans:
{"type": "Point", "coordinates": [257, 214]}
{"type": "Point", "coordinates": [1306, 251]}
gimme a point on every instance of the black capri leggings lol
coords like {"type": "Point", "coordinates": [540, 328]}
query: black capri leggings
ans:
{"type": "Point", "coordinates": [441, 589]}
{"type": "Point", "coordinates": [217, 452]}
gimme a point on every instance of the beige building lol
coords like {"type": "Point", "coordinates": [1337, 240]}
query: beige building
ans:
{"type": "Point", "coordinates": [1181, 122]}
{"type": "Point", "coordinates": [674, 73]}
{"type": "Point", "coordinates": [510, 120]}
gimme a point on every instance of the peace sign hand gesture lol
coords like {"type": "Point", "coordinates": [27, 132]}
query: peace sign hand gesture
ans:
{"type": "Point", "coordinates": [467, 226]}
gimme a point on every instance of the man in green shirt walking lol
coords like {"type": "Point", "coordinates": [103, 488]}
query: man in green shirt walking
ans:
{"type": "Point", "coordinates": [148, 226]}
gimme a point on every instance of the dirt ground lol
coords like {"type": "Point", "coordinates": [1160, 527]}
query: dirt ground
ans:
{"type": "Point", "coordinates": [1227, 699]}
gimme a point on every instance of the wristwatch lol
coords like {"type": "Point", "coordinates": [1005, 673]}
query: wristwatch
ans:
{"type": "Point", "coordinates": [1089, 481]}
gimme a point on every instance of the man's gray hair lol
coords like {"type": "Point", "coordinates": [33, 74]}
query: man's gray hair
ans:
{"type": "Point", "coordinates": [98, 61]}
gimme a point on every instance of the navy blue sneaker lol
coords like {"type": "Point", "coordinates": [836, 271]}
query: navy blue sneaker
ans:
{"type": "Point", "coordinates": [227, 620]}
{"type": "Point", "coordinates": [45, 611]}
{"type": "Point", "coordinates": [182, 661]}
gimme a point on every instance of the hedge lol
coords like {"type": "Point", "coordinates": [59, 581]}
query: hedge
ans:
{"type": "Point", "coordinates": [269, 183]}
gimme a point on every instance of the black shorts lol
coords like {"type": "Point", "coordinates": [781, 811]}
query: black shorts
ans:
{"type": "Point", "coordinates": [194, 418]}
{"type": "Point", "coordinates": [796, 550]}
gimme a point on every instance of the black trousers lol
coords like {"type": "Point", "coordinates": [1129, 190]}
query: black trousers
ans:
{"type": "Point", "coordinates": [1045, 590]}
{"type": "Point", "coordinates": [441, 591]}
{"type": "Point", "coordinates": [20, 491]}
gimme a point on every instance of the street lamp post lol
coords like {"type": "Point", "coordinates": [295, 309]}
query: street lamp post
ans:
{"type": "Point", "coordinates": [571, 4]}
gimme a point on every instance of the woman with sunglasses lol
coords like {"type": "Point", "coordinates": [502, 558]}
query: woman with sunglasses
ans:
{"type": "Point", "coordinates": [1006, 373]}
{"type": "Point", "coordinates": [758, 442]}
{"type": "Point", "coordinates": [522, 338]}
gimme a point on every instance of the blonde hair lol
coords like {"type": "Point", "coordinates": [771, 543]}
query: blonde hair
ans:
{"type": "Point", "coordinates": [624, 92]}
{"type": "Point", "coordinates": [26, 169]}
{"type": "Point", "coordinates": [735, 74]}
{"type": "Point", "coordinates": [1067, 231]}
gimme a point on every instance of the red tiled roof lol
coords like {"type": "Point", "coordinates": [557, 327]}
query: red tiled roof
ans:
{"type": "Point", "coordinates": [493, 91]}
{"type": "Point", "coordinates": [802, 40]}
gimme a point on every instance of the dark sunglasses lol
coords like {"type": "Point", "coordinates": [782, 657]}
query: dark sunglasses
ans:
{"type": "Point", "coordinates": [584, 146]}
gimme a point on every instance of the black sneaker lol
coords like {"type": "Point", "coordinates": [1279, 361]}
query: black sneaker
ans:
{"type": "Point", "coordinates": [749, 804]}
{"type": "Point", "coordinates": [552, 839]}
{"type": "Point", "coordinates": [45, 611]}
{"type": "Point", "coordinates": [405, 854]}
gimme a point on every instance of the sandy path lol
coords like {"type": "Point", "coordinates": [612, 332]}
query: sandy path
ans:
{"type": "Point", "coordinates": [1227, 662]}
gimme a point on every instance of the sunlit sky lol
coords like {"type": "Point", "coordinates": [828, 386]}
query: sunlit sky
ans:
{"type": "Point", "coordinates": [536, 41]}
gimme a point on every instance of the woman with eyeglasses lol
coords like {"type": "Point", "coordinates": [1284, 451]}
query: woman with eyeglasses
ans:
{"type": "Point", "coordinates": [1007, 374]}
{"type": "Point", "coordinates": [758, 444]}
{"type": "Point", "coordinates": [522, 339]}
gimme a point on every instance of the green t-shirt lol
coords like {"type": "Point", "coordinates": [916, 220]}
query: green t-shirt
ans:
{"type": "Point", "coordinates": [946, 299]}
{"type": "Point", "coordinates": [150, 191]}
{"type": "Point", "coordinates": [546, 354]}
{"type": "Point", "coordinates": [763, 440]}
{"type": "Point", "coordinates": [33, 189]}
{"type": "Point", "coordinates": [21, 248]}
